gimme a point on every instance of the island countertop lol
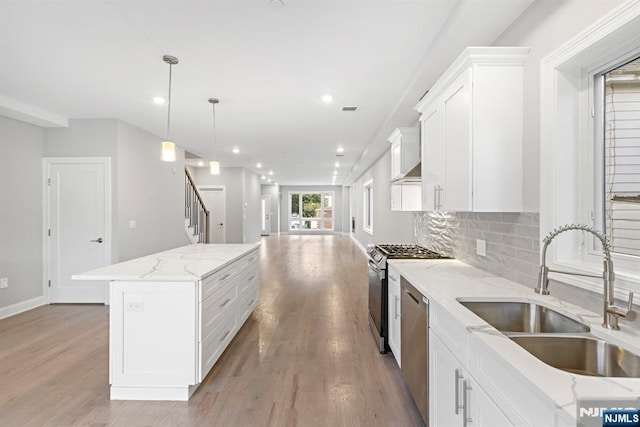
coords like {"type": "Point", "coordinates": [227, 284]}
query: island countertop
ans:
{"type": "Point", "coordinates": [186, 263]}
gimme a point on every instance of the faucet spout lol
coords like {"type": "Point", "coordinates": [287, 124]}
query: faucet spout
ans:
{"type": "Point", "coordinates": [611, 312]}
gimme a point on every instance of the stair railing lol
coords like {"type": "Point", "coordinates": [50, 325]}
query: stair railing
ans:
{"type": "Point", "coordinates": [195, 210]}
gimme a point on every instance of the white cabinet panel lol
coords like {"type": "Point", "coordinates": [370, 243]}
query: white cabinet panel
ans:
{"type": "Point", "coordinates": [394, 314]}
{"type": "Point", "coordinates": [472, 133]}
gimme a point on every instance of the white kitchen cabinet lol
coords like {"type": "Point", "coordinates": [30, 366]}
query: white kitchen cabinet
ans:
{"type": "Point", "coordinates": [455, 398]}
{"type": "Point", "coordinates": [165, 336]}
{"type": "Point", "coordinates": [406, 197]}
{"type": "Point", "coordinates": [394, 313]}
{"type": "Point", "coordinates": [405, 151]}
{"type": "Point", "coordinates": [472, 133]}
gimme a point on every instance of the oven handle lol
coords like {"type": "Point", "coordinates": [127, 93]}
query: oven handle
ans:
{"type": "Point", "coordinates": [374, 267]}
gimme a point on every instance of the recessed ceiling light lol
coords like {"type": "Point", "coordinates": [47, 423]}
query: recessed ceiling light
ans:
{"type": "Point", "coordinates": [337, 164]}
{"type": "Point", "coordinates": [340, 150]}
{"type": "Point", "coordinates": [200, 163]}
{"type": "Point", "coordinates": [335, 172]}
{"type": "Point", "coordinates": [269, 180]}
{"type": "Point", "coordinates": [258, 165]}
{"type": "Point", "coordinates": [158, 100]}
{"type": "Point", "coordinates": [270, 172]}
{"type": "Point", "coordinates": [327, 98]}
{"type": "Point", "coordinates": [235, 150]}
{"type": "Point", "coordinates": [263, 177]}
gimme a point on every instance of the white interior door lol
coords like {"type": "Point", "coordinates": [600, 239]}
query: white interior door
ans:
{"type": "Point", "coordinates": [265, 215]}
{"type": "Point", "coordinates": [78, 231]}
{"type": "Point", "coordinates": [215, 200]}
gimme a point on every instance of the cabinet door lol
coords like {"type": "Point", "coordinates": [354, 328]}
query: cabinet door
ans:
{"type": "Point", "coordinates": [432, 157]}
{"type": "Point", "coordinates": [445, 385]}
{"type": "Point", "coordinates": [457, 144]}
{"type": "Point", "coordinates": [481, 410]}
{"type": "Point", "coordinates": [396, 160]}
{"type": "Point", "coordinates": [394, 308]}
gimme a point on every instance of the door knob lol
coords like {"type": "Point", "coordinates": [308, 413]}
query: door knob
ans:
{"type": "Point", "coordinates": [98, 240]}
{"type": "Point", "coordinates": [220, 224]}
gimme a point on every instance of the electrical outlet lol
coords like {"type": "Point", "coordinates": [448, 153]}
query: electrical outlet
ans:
{"type": "Point", "coordinates": [132, 223]}
{"type": "Point", "coordinates": [135, 306]}
{"type": "Point", "coordinates": [481, 247]}
{"type": "Point", "coordinates": [4, 282]}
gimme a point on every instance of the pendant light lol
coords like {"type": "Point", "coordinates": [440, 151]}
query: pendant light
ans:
{"type": "Point", "coordinates": [168, 147]}
{"type": "Point", "coordinates": [214, 165]}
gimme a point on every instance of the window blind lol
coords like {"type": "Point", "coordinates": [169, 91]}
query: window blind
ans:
{"type": "Point", "coordinates": [622, 162]}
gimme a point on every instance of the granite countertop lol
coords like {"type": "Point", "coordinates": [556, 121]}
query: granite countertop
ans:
{"type": "Point", "coordinates": [187, 263]}
{"type": "Point", "coordinates": [444, 281]}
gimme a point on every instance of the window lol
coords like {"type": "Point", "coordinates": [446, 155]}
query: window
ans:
{"type": "Point", "coordinates": [367, 207]}
{"type": "Point", "coordinates": [618, 151]}
{"type": "Point", "coordinates": [311, 211]}
{"type": "Point", "coordinates": [588, 147]}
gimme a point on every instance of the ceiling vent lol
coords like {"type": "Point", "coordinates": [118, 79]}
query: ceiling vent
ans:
{"type": "Point", "coordinates": [352, 108]}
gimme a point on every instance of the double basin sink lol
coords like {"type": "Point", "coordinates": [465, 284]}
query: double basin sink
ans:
{"type": "Point", "coordinates": [556, 339]}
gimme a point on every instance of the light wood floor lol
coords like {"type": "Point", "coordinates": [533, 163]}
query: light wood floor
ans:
{"type": "Point", "coordinates": [304, 358]}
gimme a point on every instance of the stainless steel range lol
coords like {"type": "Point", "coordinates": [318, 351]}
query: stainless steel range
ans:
{"type": "Point", "coordinates": [378, 286]}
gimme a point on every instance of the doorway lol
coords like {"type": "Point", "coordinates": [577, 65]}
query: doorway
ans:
{"type": "Point", "coordinates": [265, 215]}
{"type": "Point", "coordinates": [215, 201]}
{"type": "Point", "coordinates": [77, 219]}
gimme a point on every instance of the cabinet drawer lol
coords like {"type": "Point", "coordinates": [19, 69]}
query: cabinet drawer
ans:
{"type": "Point", "coordinates": [247, 261]}
{"type": "Point", "coordinates": [450, 331]}
{"type": "Point", "coordinates": [247, 302]}
{"type": "Point", "coordinates": [394, 279]}
{"type": "Point", "coordinates": [216, 342]}
{"type": "Point", "coordinates": [216, 306]}
{"type": "Point", "coordinates": [217, 280]}
{"type": "Point", "coordinates": [248, 279]}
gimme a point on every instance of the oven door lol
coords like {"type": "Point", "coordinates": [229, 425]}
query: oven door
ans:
{"type": "Point", "coordinates": [377, 304]}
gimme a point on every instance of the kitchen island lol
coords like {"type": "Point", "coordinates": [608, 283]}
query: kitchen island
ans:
{"type": "Point", "coordinates": [172, 315]}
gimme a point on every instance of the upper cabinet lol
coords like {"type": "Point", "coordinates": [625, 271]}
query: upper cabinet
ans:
{"type": "Point", "coordinates": [405, 169]}
{"type": "Point", "coordinates": [472, 133]}
{"type": "Point", "coordinates": [405, 153]}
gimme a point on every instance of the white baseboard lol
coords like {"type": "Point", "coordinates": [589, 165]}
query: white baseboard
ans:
{"type": "Point", "coordinates": [22, 306]}
{"type": "Point", "coordinates": [357, 242]}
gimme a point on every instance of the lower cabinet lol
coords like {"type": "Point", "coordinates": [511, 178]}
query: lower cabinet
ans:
{"type": "Point", "coordinates": [455, 399]}
{"type": "Point", "coordinates": [394, 313]}
{"type": "Point", "coordinates": [165, 337]}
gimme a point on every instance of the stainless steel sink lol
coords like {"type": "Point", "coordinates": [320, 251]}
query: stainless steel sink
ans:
{"type": "Point", "coordinates": [581, 355]}
{"type": "Point", "coordinates": [510, 316]}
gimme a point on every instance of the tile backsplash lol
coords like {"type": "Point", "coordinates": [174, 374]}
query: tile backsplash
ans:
{"type": "Point", "coordinates": [512, 240]}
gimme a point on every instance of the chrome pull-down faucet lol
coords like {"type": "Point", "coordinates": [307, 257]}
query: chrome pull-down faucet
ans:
{"type": "Point", "coordinates": [611, 312]}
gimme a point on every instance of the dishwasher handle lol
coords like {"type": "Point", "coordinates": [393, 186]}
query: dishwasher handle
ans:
{"type": "Point", "coordinates": [412, 297]}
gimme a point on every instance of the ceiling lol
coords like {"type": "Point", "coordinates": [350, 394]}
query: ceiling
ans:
{"type": "Point", "coordinates": [268, 62]}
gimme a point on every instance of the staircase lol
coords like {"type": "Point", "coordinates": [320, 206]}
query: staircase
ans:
{"type": "Point", "coordinates": [196, 215]}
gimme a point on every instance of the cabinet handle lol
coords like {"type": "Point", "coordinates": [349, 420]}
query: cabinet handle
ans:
{"type": "Point", "coordinates": [458, 406]}
{"type": "Point", "coordinates": [225, 276]}
{"type": "Point", "coordinates": [393, 278]}
{"type": "Point", "coordinates": [466, 419]}
{"type": "Point", "coordinates": [251, 278]}
{"type": "Point", "coordinates": [225, 335]}
{"type": "Point", "coordinates": [226, 302]}
{"type": "Point", "coordinates": [395, 305]}
{"type": "Point", "coordinates": [250, 259]}
{"type": "Point", "coordinates": [251, 302]}
{"type": "Point", "coordinates": [435, 197]}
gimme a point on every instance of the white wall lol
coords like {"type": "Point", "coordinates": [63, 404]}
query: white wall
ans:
{"type": "Point", "coordinates": [144, 188]}
{"type": "Point", "coordinates": [21, 150]}
{"type": "Point", "coordinates": [346, 211]}
{"type": "Point", "coordinates": [151, 192]}
{"type": "Point", "coordinates": [337, 201]}
{"type": "Point", "coordinates": [242, 186]}
{"type": "Point", "coordinates": [388, 226]}
{"type": "Point", "coordinates": [544, 27]}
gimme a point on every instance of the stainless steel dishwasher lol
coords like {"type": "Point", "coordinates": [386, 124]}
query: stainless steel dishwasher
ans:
{"type": "Point", "coordinates": [414, 344]}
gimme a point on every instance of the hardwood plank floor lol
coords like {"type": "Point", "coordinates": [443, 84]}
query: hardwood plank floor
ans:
{"type": "Point", "coordinates": [304, 358]}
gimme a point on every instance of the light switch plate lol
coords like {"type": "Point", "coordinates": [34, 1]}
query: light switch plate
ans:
{"type": "Point", "coordinates": [133, 224]}
{"type": "Point", "coordinates": [4, 282]}
{"type": "Point", "coordinates": [481, 247]}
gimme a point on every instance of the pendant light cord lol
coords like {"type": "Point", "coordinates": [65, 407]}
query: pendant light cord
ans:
{"type": "Point", "coordinates": [169, 104]}
{"type": "Point", "coordinates": [214, 130]}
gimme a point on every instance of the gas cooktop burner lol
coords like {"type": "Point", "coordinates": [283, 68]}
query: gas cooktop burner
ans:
{"type": "Point", "coordinates": [409, 251]}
